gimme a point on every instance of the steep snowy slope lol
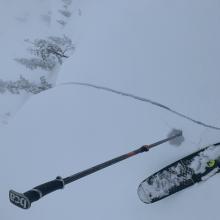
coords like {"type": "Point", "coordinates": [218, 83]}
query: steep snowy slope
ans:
{"type": "Point", "coordinates": [165, 51]}
{"type": "Point", "coordinates": [60, 132]}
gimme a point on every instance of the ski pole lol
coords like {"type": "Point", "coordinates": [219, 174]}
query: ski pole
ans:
{"type": "Point", "coordinates": [24, 200]}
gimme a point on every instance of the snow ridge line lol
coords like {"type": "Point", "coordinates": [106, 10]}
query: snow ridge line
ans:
{"type": "Point", "coordinates": [140, 99]}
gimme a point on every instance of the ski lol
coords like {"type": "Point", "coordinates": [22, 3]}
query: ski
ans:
{"type": "Point", "coordinates": [194, 168]}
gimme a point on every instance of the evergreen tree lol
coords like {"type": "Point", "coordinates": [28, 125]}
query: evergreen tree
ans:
{"type": "Point", "coordinates": [24, 85]}
{"type": "Point", "coordinates": [47, 53]}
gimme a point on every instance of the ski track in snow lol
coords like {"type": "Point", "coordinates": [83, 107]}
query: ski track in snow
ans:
{"type": "Point", "coordinates": [140, 99]}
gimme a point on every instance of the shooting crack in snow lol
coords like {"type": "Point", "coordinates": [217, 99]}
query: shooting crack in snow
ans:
{"type": "Point", "coordinates": [141, 99]}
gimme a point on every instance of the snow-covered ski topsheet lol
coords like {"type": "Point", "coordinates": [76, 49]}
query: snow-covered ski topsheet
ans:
{"type": "Point", "coordinates": [194, 168]}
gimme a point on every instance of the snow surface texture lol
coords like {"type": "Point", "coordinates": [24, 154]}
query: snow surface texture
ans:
{"type": "Point", "coordinates": [162, 183]}
{"type": "Point", "coordinates": [167, 51]}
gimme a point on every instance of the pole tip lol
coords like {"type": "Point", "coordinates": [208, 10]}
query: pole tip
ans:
{"type": "Point", "coordinates": [179, 139]}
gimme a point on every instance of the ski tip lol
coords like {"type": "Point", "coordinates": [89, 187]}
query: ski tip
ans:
{"type": "Point", "coordinates": [144, 195]}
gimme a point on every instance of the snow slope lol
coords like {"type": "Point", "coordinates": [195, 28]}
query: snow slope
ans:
{"type": "Point", "coordinates": [164, 51]}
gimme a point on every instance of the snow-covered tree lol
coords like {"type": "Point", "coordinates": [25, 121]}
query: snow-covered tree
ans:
{"type": "Point", "coordinates": [65, 12]}
{"type": "Point", "coordinates": [47, 53]}
{"type": "Point", "coordinates": [24, 85]}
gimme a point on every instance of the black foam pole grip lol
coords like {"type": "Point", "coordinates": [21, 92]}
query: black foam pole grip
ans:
{"type": "Point", "coordinates": [24, 200]}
